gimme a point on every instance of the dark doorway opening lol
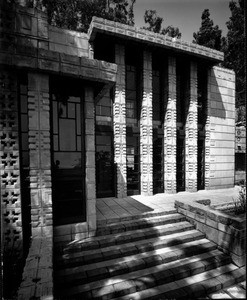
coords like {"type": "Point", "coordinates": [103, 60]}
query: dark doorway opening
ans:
{"type": "Point", "coordinates": [201, 163]}
{"type": "Point", "coordinates": [105, 173]}
{"type": "Point", "coordinates": [158, 164]}
{"type": "Point", "coordinates": [180, 174]}
{"type": "Point", "coordinates": [133, 165]}
{"type": "Point", "coordinates": [68, 162]}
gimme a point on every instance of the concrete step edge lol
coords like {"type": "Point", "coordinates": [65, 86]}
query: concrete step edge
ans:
{"type": "Point", "coordinates": [139, 223]}
{"type": "Point", "coordinates": [136, 217]}
{"type": "Point", "coordinates": [127, 237]}
{"type": "Point", "coordinates": [213, 281]}
{"type": "Point", "coordinates": [209, 260]}
{"type": "Point", "coordinates": [114, 252]}
{"type": "Point", "coordinates": [137, 261]}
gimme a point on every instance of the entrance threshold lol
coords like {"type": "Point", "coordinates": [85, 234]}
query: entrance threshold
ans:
{"type": "Point", "coordinates": [112, 209]}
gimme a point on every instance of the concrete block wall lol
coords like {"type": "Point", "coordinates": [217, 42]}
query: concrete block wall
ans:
{"type": "Point", "coordinates": [170, 132]}
{"type": "Point", "coordinates": [228, 232]}
{"type": "Point", "coordinates": [119, 123]}
{"type": "Point", "coordinates": [35, 32]}
{"type": "Point", "coordinates": [220, 132]}
{"type": "Point", "coordinates": [191, 133]}
{"type": "Point", "coordinates": [40, 155]}
{"type": "Point", "coordinates": [10, 164]}
{"type": "Point", "coordinates": [146, 128]}
{"type": "Point", "coordinates": [90, 183]}
{"type": "Point", "coordinates": [69, 42]}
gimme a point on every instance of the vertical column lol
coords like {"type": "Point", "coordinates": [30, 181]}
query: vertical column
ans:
{"type": "Point", "coordinates": [90, 187]}
{"type": "Point", "coordinates": [10, 164]}
{"type": "Point", "coordinates": [207, 136]}
{"type": "Point", "coordinates": [191, 133]}
{"type": "Point", "coordinates": [146, 127]}
{"type": "Point", "coordinates": [119, 123]}
{"type": "Point", "coordinates": [40, 155]}
{"type": "Point", "coordinates": [170, 133]}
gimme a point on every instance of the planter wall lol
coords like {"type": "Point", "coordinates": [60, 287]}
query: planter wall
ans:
{"type": "Point", "coordinates": [228, 232]}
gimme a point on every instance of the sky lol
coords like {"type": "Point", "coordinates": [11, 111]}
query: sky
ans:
{"type": "Point", "coordinates": [184, 14]}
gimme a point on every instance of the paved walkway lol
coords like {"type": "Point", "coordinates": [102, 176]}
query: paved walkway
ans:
{"type": "Point", "coordinates": [237, 291]}
{"type": "Point", "coordinates": [111, 208]}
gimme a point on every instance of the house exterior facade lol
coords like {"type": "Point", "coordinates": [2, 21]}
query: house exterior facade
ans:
{"type": "Point", "coordinates": [114, 112]}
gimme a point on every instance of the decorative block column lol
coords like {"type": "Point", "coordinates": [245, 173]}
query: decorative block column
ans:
{"type": "Point", "coordinates": [10, 164]}
{"type": "Point", "coordinates": [40, 155]}
{"type": "Point", "coordinates": [90, 187]}
{"type": "Point", "coordinates": [207, 137]}
{"type": "Point", "coordinates": [170, 133]}
{"type": "Point", "coordinates": [119, 123]}
{"type": "Point", "coordinates": [146, 128]}
{"type": "Point", "coordinates": [191, 132]}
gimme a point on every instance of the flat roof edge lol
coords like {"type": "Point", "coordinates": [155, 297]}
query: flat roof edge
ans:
{"type": "Point", "coordinates": [151, 38]}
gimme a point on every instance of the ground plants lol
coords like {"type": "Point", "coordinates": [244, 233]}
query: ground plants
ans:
{"type": "Point", "coordinates": [240, 201]}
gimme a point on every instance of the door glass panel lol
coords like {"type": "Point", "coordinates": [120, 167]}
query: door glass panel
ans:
{"type": "Point", "coordinates": [67, 160]}
{"type": "Point", "coordinates": [71, 110]}
{"type": "Point", "coordinates": [67, 136]}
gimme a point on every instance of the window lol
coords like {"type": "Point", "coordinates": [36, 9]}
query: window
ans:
{"type": "Point", "coordinates": [131, 96]}
{"type": "Point", "coordinates": [104, 106]}
{"type": "Point", "coordinates": [157, 101]}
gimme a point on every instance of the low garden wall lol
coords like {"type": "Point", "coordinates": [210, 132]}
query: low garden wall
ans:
{"type": "Point", "coordinates": [228, 232]}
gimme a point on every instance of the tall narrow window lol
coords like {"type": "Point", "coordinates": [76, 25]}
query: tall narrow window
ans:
{"type": "Point", "coordinates": [131, 92]}
{"type": "Point", "coordinates": [157, 96]}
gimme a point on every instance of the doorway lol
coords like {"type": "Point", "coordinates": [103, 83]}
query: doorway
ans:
{"type": "Point", "coordinates": [105, 174]}
{"type": "Point", "coordinates": [133, 165]}
{"type": "Point", "coordinates": [68, 167]}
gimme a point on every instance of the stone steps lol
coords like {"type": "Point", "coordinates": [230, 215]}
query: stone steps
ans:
{"type": "Point", "coordinates": [151, 258]}
{"type": "Point", "coordinates": [126, 229]}
{"type": "Point", "coordinates": [176, 235]}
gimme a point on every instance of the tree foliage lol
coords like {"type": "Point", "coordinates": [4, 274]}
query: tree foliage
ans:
{"type": "Point", "coordinates": [234, 48]}
{"type": "Point", "coordinates": [208, 34]}
{"type": "Point", "coordinates": [77, 14]}
{"type": "Point", "coordinates": [154, 22]}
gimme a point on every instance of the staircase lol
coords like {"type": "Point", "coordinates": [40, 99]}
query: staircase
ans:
{"type": "Point", "coordinates": [160, 256]}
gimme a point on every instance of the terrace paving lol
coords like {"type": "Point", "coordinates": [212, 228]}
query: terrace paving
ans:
{"type": "Point", "coordinates": [109, 209]}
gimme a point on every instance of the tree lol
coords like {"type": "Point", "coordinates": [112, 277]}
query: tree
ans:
{"type": "Point", "coordinates": [172, 32]}
{"type": "Point", "coordinates": [77, 14]}
{"type": "Point", "coordinates": [155, 24]}
{"type": "Point", "coordinates": [153, 20]}
{"type": "Point", "coordinates": [208, 34]}
{"type": "Point", "coordinates": [234, 49]}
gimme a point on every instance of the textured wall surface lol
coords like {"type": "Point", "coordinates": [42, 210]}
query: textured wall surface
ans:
{"type": "Point", "coordinates": [40, 154]}
{"type": "Point", "coordinates": [220, 130]}
{"type": "Point", "coordinates": [146, 128]}
{"type": "Point", "coordinates": [90, 185]}
{"type": "Point", "coordinates": [170, 130]}
{"type": "Point", "coordinates": [191, 133]}
{"type": "Point", "coordinates": [10, 162]}
{"type": "Point", "coordinates": [119, 123]}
